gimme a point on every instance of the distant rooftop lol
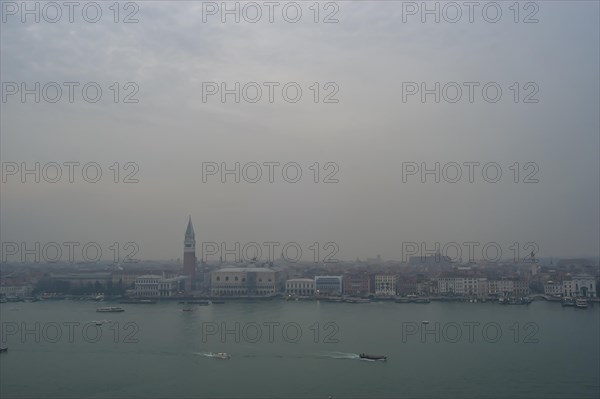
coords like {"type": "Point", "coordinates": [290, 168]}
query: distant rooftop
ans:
{"type": "Point", "coordinates": [244, 269]}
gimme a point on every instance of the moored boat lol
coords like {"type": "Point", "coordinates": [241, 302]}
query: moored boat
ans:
{"type": "Point", "coordinates": [568, 301]}
{"type": "Point", "coordinates": [581, 303]}
{"type": "Point", "coordinates": [3, 349]}
{"type": "Point", "coordinates": [357, 300]}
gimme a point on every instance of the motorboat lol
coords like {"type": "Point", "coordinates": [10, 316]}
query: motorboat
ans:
{"type": "Point", "coordinates": [372, 357]}
{"type": "Point", "coordinates": [222, 355]}
{"type": "Point", "coordinates": [3, 349]}
{"type": "Point", "coordinates": [110, 309]}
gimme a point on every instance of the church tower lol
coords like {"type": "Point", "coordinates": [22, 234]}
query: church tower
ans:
{"type": "Point", "coordinates": [189, 255]}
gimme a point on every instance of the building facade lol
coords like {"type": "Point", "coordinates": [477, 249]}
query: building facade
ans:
{"type": "Point", "coordinates": [385, 285]}
{"type": "Point", "coordinates": [300, 287]}
{"type": "Point", "coordinates": [553, 288]}
{"type": "Point", "coordinates": [155, 286]}
{"type": "Point", "coordinates": [580, 286]}
{"type": "Point", "coordinates": [328, 285]}
{"type": "Point", "coordinates": [243, 281]}
{"type": "Point", "coordinates": [357, 284]}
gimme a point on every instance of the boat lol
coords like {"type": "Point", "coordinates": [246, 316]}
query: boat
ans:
{"type": "Point", "coordinates": [568, 301]}
{"type": "Point", "coordinates": [581, 303]}
{"type": "Point", "coordinates": [425, 322]}
{"type": "Point", "coordinates": [110, 309]}
{"type": "Point", "coordinates": [201, 303]}
{"type": "Point", "coordinates": [357, 300]}
{"type": "Point", "coordinates": [3, 350]}
{"type": "Point", "coordinates": [372, 357]}
{"type": "Point", "coordinates": [217, 302]}
{"type": "Point", "coordinates": [222, 355]}
{"type": "Point", "coordinates": [187, 310]}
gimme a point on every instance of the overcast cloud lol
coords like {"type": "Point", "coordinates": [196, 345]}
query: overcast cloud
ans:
{"type": "Point", "coordinates": [368, 134]}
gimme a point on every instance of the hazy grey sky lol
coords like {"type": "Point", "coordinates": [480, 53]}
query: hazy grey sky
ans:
{"type": "Point", "coordinates": [368, 134]}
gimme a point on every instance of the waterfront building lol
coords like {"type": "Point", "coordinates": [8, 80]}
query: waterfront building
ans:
{"type": "Point", "coordinates": [127, 279]}
{"type": "Point", "coordinates": [520, 288]}
{"type": "Point", "coordinates": [83, 279]}
{"type": "Point", "coordinates": [15, 291]}
{"type": "Point", "coordinates": [509, 287]}
{"type": "Point", "coordinates": [243, 281]}
{"type": "Point", "coordinates": [155, 286]}
{"type": "Point", "coordinates": [385, 285]}
{"type": "Point", "coordinates": [356, 284]}
{"type": "Point", "coordinates": [406, 285]}
{"type": "Point", "coordinates": [553, 288]}
{"type": "Point", "coordinates": [300, 286]}
{"type": "Point", "coordinates": [328, 285]}
{"type": "Point", "coordinates": [451, 286]}
{"type": "Point", "coordinates": [579, 286]}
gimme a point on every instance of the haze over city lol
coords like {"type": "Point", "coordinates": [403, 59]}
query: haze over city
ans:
{"type": "Point", "coordinates": [368, 134]}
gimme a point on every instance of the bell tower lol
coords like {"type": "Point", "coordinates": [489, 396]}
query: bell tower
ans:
{"type": "Point", "coordinates": [189, 256]}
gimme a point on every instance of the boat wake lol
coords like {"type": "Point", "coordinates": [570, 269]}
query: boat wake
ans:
{"type": "Point", "coordinates": [205, 354]}
{"type": "Point", "coordinates": [342, 355]}
{"type": "Point", "coordinates": [220, 355]}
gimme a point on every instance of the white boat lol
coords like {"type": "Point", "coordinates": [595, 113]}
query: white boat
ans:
{"type": "Point", "coordinates": [222, 355]}
{"type": "Point", "coordinates": [581, 303]}
{"type": "Point", "coordinates": [425, 322]}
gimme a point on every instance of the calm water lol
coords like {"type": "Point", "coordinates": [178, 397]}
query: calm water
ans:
{"type": "Point", "coordinates": [542, 351]}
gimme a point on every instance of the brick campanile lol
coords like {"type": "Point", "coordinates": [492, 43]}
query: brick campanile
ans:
{"type": "Point", "coordinates": [189, 256]}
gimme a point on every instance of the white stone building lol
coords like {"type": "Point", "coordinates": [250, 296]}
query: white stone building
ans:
{"type": "Point", "coordinates": [385, 285]}
{"type": "Point", "coordinates": [300, 286]}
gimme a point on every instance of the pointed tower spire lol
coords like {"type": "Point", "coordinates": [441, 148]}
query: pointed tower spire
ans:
{"type": "Point", "coordinates": [189, 256]}
{"type": "Point", "coordinates": [189, 232]}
